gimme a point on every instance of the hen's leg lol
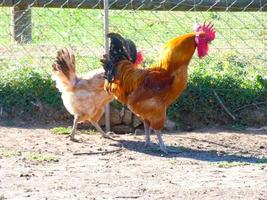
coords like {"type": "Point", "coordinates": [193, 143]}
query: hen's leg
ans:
{"type": "Point", "coordinates": [147, 135]}
{"type": "Point", "coordinates": [74, 127]}
{"type": "Point", "coordinates": [100, 130]}
{"type": "Point", "coordinates": [161, 143]}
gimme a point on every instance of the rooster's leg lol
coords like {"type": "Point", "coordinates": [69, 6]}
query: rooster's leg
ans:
{"type": "Point", "coordinates": [74, 127]}
{"type": "Point", "coordinates": [147, 135]}
{"type": "Point", "coordinates": [161, 143]}
{"type": "Point", "coordinates": [100, 130]}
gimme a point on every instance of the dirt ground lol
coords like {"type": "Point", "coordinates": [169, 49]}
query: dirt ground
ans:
{"type": "Point", "coordinates": [210, 164]}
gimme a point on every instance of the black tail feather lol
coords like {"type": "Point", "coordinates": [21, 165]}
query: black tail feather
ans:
{"type": "Point", "coordinates": [120, 49]}
{"type": "Point", "coordinates": [132, 50]}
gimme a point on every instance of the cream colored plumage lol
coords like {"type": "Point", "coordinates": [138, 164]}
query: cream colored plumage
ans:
{"type": "Point", "coordinates": [84, 97]}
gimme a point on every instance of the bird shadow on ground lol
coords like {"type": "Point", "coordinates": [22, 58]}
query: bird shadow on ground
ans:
{"type": "Point", "coordinates": [184, 152]}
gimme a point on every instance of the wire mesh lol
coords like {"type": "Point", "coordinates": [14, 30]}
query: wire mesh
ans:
{"type": "Point", "coordinates": [52, 29]}
{"type": "Point", "coordinates": [240, 32]}
{"type": "Point", "coordinates": [240, 41]}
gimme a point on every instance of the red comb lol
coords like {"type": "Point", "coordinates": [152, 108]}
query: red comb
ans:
{"type": "Point", "coordinates": [208, 29]}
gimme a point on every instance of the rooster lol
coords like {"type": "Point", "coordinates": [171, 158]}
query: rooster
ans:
{"type": "Point", "coordinates": [84, 97]}
{"type": "Point", "coordinates": [149, 92]}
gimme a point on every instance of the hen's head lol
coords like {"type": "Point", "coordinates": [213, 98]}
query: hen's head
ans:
{"type": "Point", "coordinates": [204, 35]}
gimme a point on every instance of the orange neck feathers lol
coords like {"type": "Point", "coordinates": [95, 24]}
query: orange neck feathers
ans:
{"type": "Point", "coordinates": [177, 52]}
{"type": "Point", "coordinates": [128, 77]}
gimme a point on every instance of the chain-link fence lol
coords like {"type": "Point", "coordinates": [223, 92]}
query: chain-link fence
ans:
{"type": "Point", "coordinates": [52, 29]}
{"type": "Point", "coordinates": [47, 29]}
{"type": "Point", "coordinates": [32, 31]}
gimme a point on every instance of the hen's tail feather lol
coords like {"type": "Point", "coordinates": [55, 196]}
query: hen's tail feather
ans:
{"type": "Point", "coordinates": [64, 62]}
{"type": "Point", "coordinates": [63, 67]}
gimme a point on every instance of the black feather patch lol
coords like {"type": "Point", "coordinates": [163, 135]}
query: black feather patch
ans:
{"type": "Point", "coordinates": [120, 49]}
{"type": "Point", "coordinates": [132, 50]}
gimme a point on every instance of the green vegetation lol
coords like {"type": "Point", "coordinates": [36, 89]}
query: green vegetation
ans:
{"type": "Point", "coordinates": [61, 130]}
{"type": "Point", "coordinates": [83, 31]}
{"type": "Point", "coordinates": [229, 164]}
{"type": "Point", "coordinates": [235, 69]}
{"type": "Point", "coordinates": [38, 157]}
{"type": "Point", "coordinates": [22, 89]}
{"type": "Point", "coordinates": [67, 130]}
{"type": "Point", "coordinates": [9, 154]}
{"type": "Point", "coordinates": [236, 83]}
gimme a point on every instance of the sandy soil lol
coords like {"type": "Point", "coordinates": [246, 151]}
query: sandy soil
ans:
{"type": "Point", "coordinates": [210, 164]}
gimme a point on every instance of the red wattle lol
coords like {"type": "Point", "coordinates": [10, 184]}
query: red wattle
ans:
{"type": "Point", "coordinates": [139, 58]}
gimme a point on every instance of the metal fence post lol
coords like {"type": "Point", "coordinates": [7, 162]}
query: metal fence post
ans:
{"type": "Point", "coordinates": [106, 25]}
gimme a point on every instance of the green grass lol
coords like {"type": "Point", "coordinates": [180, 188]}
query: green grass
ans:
{"type": "Point", "coordinates": [38, 157]}
{"type": "Point", "coordinates": [83, 30]}
{"type": "Point", "coordinates": [61, 130]}
{"type": "Point", "coordinates": [235, 69]}
{"type": "Point", "coordinates": [31, 156]}
{"type": "Point", "coordinates": [67, 130]}
{"type": "Point", "coordinates": [9, 154]}
{"type": "Point", "coordinates": [229, 164]}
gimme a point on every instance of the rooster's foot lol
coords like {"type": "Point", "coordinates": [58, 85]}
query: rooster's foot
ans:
{"type": "Point", "coordinates": [148, 144]}
{"type": "Point", "coordinates": [168, 150]}
{"type": "Point", "coordinates": [163, 149]}
{"type": "Point", "coordinates": [108, 135]}
{"type": "Point", "coordinates": [72, 138]}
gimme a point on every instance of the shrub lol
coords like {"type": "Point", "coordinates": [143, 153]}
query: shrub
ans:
{"type": "Point", "coordinates": [236, 83]}
{"type": "Point", "coordinates": [22, 88]}
{"type": "Point", "coordinates": [234, 80]}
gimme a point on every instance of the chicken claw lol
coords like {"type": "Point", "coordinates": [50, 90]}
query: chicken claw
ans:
{"type": "Point", "coordinates": [163, 149]}
{"type": "Point", "coordinates": [107, 135]}
{"type": "Point", "coordinates": [72, 138]}
{"type": "Point", "coordinates": [148, 144]}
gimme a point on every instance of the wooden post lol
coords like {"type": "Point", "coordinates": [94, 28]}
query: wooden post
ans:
{"type": "Point", "coordinates": [21, 24]}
